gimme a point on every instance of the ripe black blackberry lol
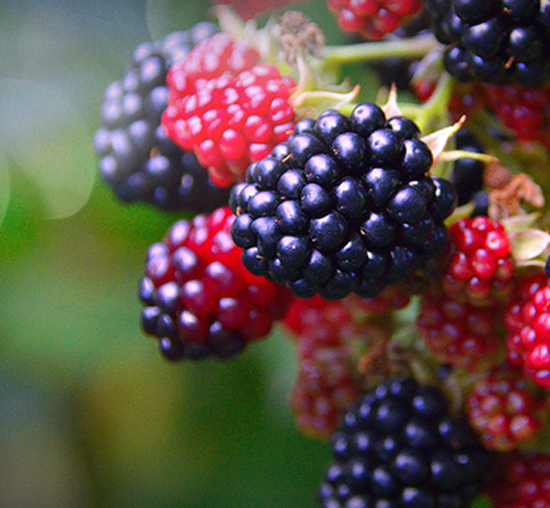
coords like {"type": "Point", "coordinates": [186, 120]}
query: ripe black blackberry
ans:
{"type": "Point", "coordinates": [494, 41]}
{"type": "Point", "coordinates": [136, 158]}
{"type": "Point", "coordinates": [345, 205]}
{"type": "Point", "coordinates": [467, 175]}
{"type": "Point", "coordinates": [399, 447]}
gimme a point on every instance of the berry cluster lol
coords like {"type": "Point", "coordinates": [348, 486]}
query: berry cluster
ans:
{"type": "Point", "coordinates": [504, 409]}
{"type": "Point", "coordinates": [399, 446]}
{"type": "Point", "coordinates": [227, 107]}
{"type": "Point", "coordinates": [305, 191]}
{"type": "Point", "coordinates": [198, 300]}
{"type": "Point", "coordinates": [324, 333]}
{"type": "Point", "coordinates": [497, 41]}
{"type": "Point", "coordinates": [346, 205]}
{"type": "Point", "coordinates": [528, 319]}
{"type": "Point", "coordinates": [481, 267]}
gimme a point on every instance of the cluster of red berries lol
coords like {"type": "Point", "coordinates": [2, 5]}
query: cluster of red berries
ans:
{"type": "Point", "coordinates": [337, 224]}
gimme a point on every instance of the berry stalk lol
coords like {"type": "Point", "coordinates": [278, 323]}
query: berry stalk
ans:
{"type": "Point", "coordinates": [406, 48]}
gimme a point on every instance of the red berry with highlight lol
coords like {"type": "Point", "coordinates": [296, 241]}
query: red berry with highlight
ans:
{"type": "Point", "coordinates": [199, 299]}
{"type": "Point", "coordinates": [505, 409]}
{"type": "Point", "coordinates": [481, 266]}
{"type": "Point", "coordinates": [528, 321]}
{"type": "Point", "coordinates": [525, 111]}
{"type": "Point", "coordinates": [227, 107]}
{"type": "Point", "coordinates": [373, 19]}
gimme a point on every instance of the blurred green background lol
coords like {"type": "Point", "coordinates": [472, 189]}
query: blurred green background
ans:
{"type": "Point", "coordinates": [90, 415]}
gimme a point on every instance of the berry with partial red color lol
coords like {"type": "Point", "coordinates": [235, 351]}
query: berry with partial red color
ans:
{"type": "Point", "coordinates": [524, 481]}
{"type": "Point", "coordinates": [481, 266]}
{"type": "Point", "coordinates": [249, 9]}
{"type": "Point", "coordinates": [373, 19]}
{"type": "Point", "coordinates": [528, 321]}
{"type": "Point", "coordinates": [505, 409]}
{"type": "Point", "coordinates": [525, 111]}
{"type": "Point", "coordinates": [457, 333]}
{"type": "Point", "coordinates": [199, 300]}
{"type": "Point", "coordinates": [227, 107]}
{"type": "Point", "coordinates": [326, 385]}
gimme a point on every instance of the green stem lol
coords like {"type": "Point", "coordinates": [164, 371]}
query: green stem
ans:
{"type": "Point", "coordinates": [406, 48]}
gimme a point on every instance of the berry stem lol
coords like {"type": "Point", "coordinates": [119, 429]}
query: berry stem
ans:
{"type": "Point", "coordinates": [407, 48]}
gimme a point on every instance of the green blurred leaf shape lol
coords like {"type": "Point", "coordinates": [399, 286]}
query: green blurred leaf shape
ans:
{"type": "Point", "coordinates": [47, 137]}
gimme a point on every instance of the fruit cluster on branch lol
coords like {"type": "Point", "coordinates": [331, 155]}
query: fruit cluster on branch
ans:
{"type": "Point", "coordinates": [405, 255]}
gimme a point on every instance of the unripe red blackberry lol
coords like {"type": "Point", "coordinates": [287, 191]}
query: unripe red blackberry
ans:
{"type": "Point", "coordinates": [505, 409]}
{"type": "Point", "coordinates": [136, 158]}
{"type": "Point", "coordinates": [528, 321]}
{"type": "Point", "coordinates": [523, 110]}
{"type": "Point", "coordinates": [457, 333]}
{"type": "Point", "coordinates": [327, 384]}
{"type": "Point", "coordinates": [227, 106]}
{"type": "Point", "coordinates": [523, 481]}
{"type": "Point", "coordinates": [346, 205]}
{"type": "Point", "coordinates": [199, 300]}
{"type": "Point", "coordinates": [481, 266]}
{"type": "Point", "coordinates": [400, 447]}
{"type": "Point", "coordinates": [373, 19]}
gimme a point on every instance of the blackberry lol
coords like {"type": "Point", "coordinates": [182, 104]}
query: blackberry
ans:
{"type": "Point", "coordinates": [496, 41]}
{"type": "Point", "coordinates": [345, 205]}
{"type": "Point", "coordinates": [199, 300]}
{"type": "Point", "coordinates": [467, 175]}
{"type": "Point", "coordinates": [137, 159]}
{"type": "Point", "coordinates": [400, 447]}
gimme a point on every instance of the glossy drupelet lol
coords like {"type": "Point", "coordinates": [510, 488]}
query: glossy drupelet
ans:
{"type": "Point", "coordinates": [494, 41]}
{"type": "Point", "coordinates": [399, 447]}
{"type": "Point", "coordinates": [137, 160]}
{"type": "Point", "coordinates": [199, 300]}
{"type": "Point", "coordinates": [346, 205]}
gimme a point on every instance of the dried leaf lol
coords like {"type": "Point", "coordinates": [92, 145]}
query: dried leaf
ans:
{"type": "Point", "coordinates": [437, 140]}
{"type": "Point", "coordinates": [391, 108]}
